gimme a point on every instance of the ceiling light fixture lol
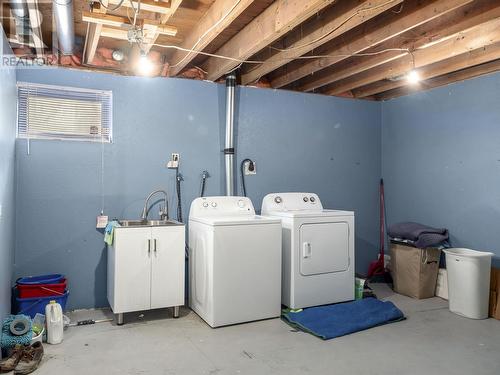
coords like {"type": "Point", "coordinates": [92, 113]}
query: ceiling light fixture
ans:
{"type": "Point", "coordinates": [145, 65]}
{"type": "Point", "coordinates": [413, 77]}
{"type": "Point", "coordinates": [118, 55]}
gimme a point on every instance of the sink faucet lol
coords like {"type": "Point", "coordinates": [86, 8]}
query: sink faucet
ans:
{"type": "Point", "coordinates": [163, 210]}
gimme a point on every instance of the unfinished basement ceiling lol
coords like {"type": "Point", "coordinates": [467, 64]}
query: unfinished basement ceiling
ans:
{"type": "Point", "coordinates": [351, 48]}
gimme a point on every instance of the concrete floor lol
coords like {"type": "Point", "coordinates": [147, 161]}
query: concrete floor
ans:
{"type": "Point", "coordinates": [431, 341]}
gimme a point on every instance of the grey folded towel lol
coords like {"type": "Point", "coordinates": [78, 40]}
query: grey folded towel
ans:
{"type": "Point", "coordinates": [421, 235]}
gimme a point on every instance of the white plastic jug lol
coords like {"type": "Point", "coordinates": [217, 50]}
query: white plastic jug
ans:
{"type": "Point", "coordinates": [55, 325]}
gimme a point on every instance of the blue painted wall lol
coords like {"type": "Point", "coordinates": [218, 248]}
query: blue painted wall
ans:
{"type": "Point", "coordinates": [301, 142]}
{"type": "Point", "coordinates": [441, 160]}
{"type": "Point", "coordinates": [7, 143]}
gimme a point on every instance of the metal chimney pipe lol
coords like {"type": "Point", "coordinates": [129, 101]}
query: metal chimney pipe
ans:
{"type": "Point", "coordinates": [229, 145]}
{"type": "Point", "coordinates": [63, 13]}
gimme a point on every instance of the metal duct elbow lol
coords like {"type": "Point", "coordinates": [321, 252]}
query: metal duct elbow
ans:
{"type": "Point", "coordinates": [63, 13]}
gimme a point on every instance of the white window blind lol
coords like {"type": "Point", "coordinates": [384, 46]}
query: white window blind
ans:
{"type": "Point", "coordinates": [67, 113]}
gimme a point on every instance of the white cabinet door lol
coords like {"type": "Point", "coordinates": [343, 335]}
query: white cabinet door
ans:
{"type": "Point", "coordinates": [132, 269]}
{"type": "Point", "coordinates": [167, 266]}
{"type": "Point", "coordinates": [324, 248]}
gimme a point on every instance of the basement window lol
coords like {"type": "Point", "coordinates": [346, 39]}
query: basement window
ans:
{"type": "Point", "coordinates": [63, 113]}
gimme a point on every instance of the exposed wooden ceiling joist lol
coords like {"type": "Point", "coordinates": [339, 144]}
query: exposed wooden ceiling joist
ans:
{"type": "Point", "coordinates": [412, 15]}
{"type": "Point", "coordinates": [218, 17]}
{"type": "Point", "coordinates": [279, 18]}
{"type": "Point", "coordinates": [367, 46]}
{"type": "Point", "coordinates": [147, 5]}
{"type": "Point", "coordinates": [36, 27]}
{"type": "Point", "coordinates": [93, 35]}
{"type": "Point", "coordinates": [475, 57]}
{"type": "Point", "coordinates": [471, 72]}
{"type": "Point", "coordinates": [344, 16]}
{"type": "Point", "coordinates": [473, 38]}
{"type": "Point", "coordinates": [438, 30]}
{"type": "Point", "coordinates": [152, 34]}
{"type": "Point", "coordinates": [124, 22]}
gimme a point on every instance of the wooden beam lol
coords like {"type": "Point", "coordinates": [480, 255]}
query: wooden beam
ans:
{"type": "Point", "coordinates": [413, 14]}
{"type": "Point", "coordinates": [35, 17]}
{"type": "Point", "coordinates": [115, 33]}
{"type": "Point", "coordinates": [463, 61]}
{"type": "Point", "coordinates": [124, 22]}
{"type": "Point", "coordinates": [174, 5]}
{"type": "Point", "coordinates": [476, 37]}
{"type": "Point", "coordinates": [93, 35]}
{"type": "Point", "coordinates": [343, 17]}
{"type": "Point", "coordinates": [425, 35]}
{"type": "Point", "coordinates": [206, 30]}
{"type": "Point", "coordinates": [279, 18]}
{"type": "Point", "coordinates": [471, 72]}
{"type": "Point", "coordinates": [147, 5]}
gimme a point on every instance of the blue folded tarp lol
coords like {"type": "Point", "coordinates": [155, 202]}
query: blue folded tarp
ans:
{"type": "Point", "coordinates": [341, 319]}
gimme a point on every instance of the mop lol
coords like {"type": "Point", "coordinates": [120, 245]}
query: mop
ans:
{"type": "Point", "coordinates": [16, 330]}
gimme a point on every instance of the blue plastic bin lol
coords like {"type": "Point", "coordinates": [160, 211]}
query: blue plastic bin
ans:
{"type": "Point", "coordinates": [43, 279]}
{"type": "Point", "coordinates": [32, 306]}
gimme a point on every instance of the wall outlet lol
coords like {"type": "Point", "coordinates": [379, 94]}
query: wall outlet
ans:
{"type": "Point", "coordinates": [101, 222]}
{"type": "Point", "coordinates": [174, 161]}
{"type": "Point", "coordinates": [249, 168]}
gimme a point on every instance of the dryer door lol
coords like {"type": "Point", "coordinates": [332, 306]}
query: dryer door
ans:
{"type": "Point", "coordinates": [324, 248]}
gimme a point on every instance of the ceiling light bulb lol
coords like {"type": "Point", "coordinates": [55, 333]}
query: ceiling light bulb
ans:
{"type": "Point", "coordinates": [145, 65]}
{"type": "Point", "coordinates": [118, 55]}
{"type": "Point", "coordinates": [413, 77]}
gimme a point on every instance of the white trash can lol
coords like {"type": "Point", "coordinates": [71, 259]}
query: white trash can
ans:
{"type": "Point", "coordinates": [468, 282]}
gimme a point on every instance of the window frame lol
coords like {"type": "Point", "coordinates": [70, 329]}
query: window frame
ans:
{"type": "Point", "coordinates": [105, 98]}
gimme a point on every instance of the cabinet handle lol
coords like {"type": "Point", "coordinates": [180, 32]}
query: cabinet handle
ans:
{"type": "Point", "coordinates": [149, 247]}
{"type": "Point", "coordinates": [155, 245]}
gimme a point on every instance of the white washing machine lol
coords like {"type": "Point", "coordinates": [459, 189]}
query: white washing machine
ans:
{"type": "Point", "coordinates": [318, 250]}
{"type": "Point", "coordinates": [234, 261]}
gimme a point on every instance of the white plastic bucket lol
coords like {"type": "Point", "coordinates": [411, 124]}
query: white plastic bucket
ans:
{"type": "Point", "coordinates": [468, 282]}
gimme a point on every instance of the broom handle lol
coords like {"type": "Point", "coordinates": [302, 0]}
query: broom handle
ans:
{"type": "Point", "coordinates": [382, 219]}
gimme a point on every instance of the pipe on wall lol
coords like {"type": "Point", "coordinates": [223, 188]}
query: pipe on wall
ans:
{"type": "Point", "coordinates": [229, 144]}
{"type": "Point", "coordinates": [63, 13]}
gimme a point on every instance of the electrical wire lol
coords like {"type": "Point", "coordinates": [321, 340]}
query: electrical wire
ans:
{"type": "Point", "coordinates": [335, 28]}
{"type": "Point", "coordinates": [241, 61]}
{"type": "Point", "coordinates": [118, 6]}
{"type": "Point", "coordinates": [206, 33]}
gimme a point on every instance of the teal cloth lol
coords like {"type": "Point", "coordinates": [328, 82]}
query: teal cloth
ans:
{"type": "Point", "coordinates": [109, 232]}
{"type": "Point", "coordinates": [8, 340]}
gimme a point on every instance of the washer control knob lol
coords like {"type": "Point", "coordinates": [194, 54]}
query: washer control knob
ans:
{"type": "Point", "coordinates": [278, 200]}
{"type": "Point", "coordinates": [241, 203]}
{"type": "Point", "coordinates": [305, 199]}
{"type": "Point", "coordinates": [312, 199]}
{"type": "Point", "coordinates": [214, 204]}
{"type": "Point", "coordinates": [205, 204]}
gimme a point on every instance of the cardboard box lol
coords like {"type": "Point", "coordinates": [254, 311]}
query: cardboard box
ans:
{"type": "Point", "coordinates": [414, 271]}
{"type": "Point", "coordinates": [495, 293]}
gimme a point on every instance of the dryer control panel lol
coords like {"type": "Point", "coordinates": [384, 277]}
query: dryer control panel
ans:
{"type": "Point", "coordinates": [291, 202]}
{"type": "Point", "coordinates": [221, 206]}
